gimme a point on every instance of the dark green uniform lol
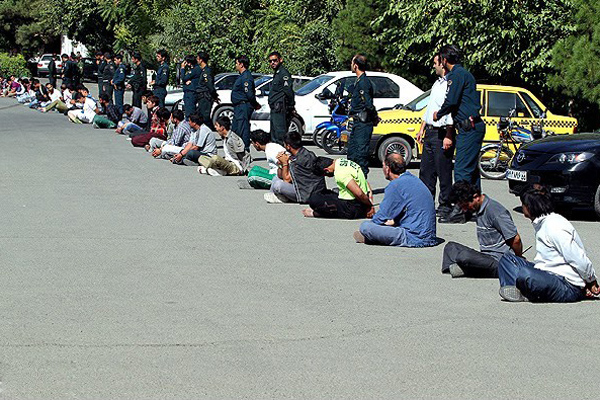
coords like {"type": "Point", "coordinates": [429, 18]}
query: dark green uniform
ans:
{"type": "Point", "coordinates": [107, 75]}
{"type": "Point", "coordinates": [206, 95]}
{"type": "Point", "coordinates": [69, 72]}
{"type": "Point", "coordinates": [52, 72]}
{"type": "Point", "coordinates": [101, 66]}
{"type": "Point", "coordinates": [361, 111]}
{"type": "Point", "coordinates": [191, 75]}
{"type": "Point", "coordinates": [160, 83]}
{"type": "Point", "coordinates": [138, 84]}
{"type": "Point", "coordinates": [119, 86]}
{"type": "Point", "coordinates": [243, 97]}
{"type": "Point", "coordinates": [462, 101]}
{"type": "Point", "coordinates": [281, 102]}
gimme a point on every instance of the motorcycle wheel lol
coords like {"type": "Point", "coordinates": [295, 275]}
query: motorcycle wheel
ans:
{"type": "Point", "coordinates": [494, 161]}
{"type": "Point", "coordinates": [333, 144]}
{"type": "Point", "coordinates": [317, 137]}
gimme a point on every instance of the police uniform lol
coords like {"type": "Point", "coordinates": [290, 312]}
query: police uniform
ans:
{"type": "Point", "coordinates": [243, 97]}
{"type": "Point", "coordinates": [361, 111]}
{"type": "Point", "coordinates": [69, 72]}
{"type": "Point", "coordinates": [160, 83]}
{"type": "Point", "coordinates": [138, 84]}
{"type": "Point", "coordinates": [462, 102]}
{"type": "Point", "coordinates": [52, 72]}
{"type": "Point", "coordinates": [101, 66]}
{"type": "Point", "coordinates": [281, 102]}
{"type": "Point", "coordinates": [189, 91]}
{"type": "Point", "coordinates": [107, 74]}
{"type": "Point", "coordinates": [119, 86]}
{"type": "Point", "coordinates": [206, 95]}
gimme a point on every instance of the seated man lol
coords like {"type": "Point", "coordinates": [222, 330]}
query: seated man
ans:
{"type": "Point", "coordinates": [158, 129]}
{"type": "Point", "coordinates": [110, 115]}
{"type": "Point", "coordinates": [496, 233]}
{"type": "Point", "coordinates": [135, 120]}
{"type": "Point", "coordinates": [561, 271]}
{"type": "Point", "coordinates": [88, 111]}
{"type": "Point", "coordinates": [236, 158]}
{"type": "Point", "coordinates": [354, 199]}
{"type": "Point", "coordinates": [296, 179]}
{"type": "Point", "coordinates": [259, 177]}
{"type": "Point", "coordinates": [180, 136]}
{"type": "Point", "coordinates": [202, 143]}
{"type": "Point", "coordinates": [406, 216]}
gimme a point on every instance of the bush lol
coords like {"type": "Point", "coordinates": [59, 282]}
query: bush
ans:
{"type": "Point", "coordinates": [13, 65]}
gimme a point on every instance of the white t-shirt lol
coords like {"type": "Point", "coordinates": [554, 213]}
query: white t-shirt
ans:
{"type": "Point", "coordinates": [271, 151]}
{"type": "Point", "coordinates": [89, 110]}
{"type": "Point", "coordinates": [55, 95]}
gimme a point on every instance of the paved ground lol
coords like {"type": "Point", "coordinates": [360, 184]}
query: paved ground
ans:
{"type": "Point", "coordinates": [128, 277]}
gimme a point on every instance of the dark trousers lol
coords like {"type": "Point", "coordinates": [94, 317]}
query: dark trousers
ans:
{"type": "Point", "coordinates": [194, 155]}
{"type": "Point", "coordinates": [436, 163]}
{"type": "Point", "coordinates": [535, 284]}
{"type": "Point", "coordinates": [119, 93]}
{"type": "Point", "coordinates": [137, 98]}
{"type": "Point", "coordinates": [189, 103]}
{"type": "Point", "coordinates": [474, 263]}
{"type": "Point", "coordinates": [241, 122]}
{"type": "Point", "coordinates": [161, 93]}
{"type": "Point", "coordinates": [100, 86]}
{"type": "Point", "coordinates": [327, 204]}
{"type": "Point", "coordinates": [108, 89]}
{"type": "Point", "coordinates": [144, 139]}
{"type": "Point", "coordinates": [358, 144]}
{"type": "Point", "coordinates": [52, 80]}
{"type": "Point", "coordinates": [468, 145]}
{"type": "Point", "coordinates": [280, 123]}
{"type": "Point", "coordinates": [204, 107]}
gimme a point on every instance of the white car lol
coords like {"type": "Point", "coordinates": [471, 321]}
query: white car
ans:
{"type": "Point", "coordinates": [312, 99]}
{"type": "Point", "coordinates": [44, 61]}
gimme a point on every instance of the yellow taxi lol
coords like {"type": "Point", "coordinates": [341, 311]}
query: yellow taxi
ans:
{"type": "Point", "coordinates": [399, 127]}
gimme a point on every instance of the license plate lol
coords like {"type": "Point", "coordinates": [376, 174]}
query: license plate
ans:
{"type": "Point", "coordinates": [516, 175]}
{"type": "Point", "coordinates": [344, 137]}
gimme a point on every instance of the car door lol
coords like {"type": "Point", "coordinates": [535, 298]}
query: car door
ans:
{"type": "Point", "coordinates": [499, 104]}
{"type": "Point", "coordinates": [386, 93]}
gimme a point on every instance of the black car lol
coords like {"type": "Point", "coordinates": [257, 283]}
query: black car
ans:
{"type": "Point", "coordinates": [568, 165]}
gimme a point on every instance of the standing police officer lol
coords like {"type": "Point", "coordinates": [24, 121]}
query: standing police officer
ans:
{"type": "Point", "coordinates": [107, 75]}
{"type": "Point", "coordinates": [190, 74]}
{"type": "Point", "coordinates": [138, 80]}
{"type": "Point", "coordinates": [52, 71]}
{"type": "Point", "coordinates": [101, 63]}
{"type": "Point", "coordinates": [118, 82]}
{"type": "Point", "coordinates": [462, 102]}
{"type": "Point", "coordinates": [363, 114]}
{"type": "Point", "coordinates": [281, 98]}
{"type": "Point", "coordinates": [243, 97]}
{"type": "Point", "coordinates": [67, 71]}
{"type": "Point", "coordinates": [205, 92]}
{"type": "Point", "coordinates": [162, 78]}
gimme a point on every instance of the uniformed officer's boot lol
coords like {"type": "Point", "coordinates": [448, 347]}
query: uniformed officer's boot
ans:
{"type": "Point", "coordinates": [456, 216]}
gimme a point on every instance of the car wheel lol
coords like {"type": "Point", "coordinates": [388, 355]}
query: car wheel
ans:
{"type": "Point", "coordinates": [296, 126]}
{"type": "Point", "coordinates": [597, 201]}
{"type": "Point", "coordinates": [395, 144]}
{"type": "Point", "coordinates": [223, 111]}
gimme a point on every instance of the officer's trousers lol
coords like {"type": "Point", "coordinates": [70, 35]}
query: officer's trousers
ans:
{"type": "Point", "coordinates": [358, 144]}
{"type": "Point", "coordinates": [280, 123]}
{"type": "Point", "coordinates": [189, 103]}
{"type": "Point", "coordinates": [52, 80]}
{"type": "Point", "coordinates": [108, 89]}
{"type": "Point", "coordinates": [100, 86]}
{"type": "Point", "coordinates": [241, 122]}
{"type": "Point", "coordinates": [468, 145]}
{"type": "Point", "coordinates": [137, 98]}
{"type": "Point", "coordinates": [436, 163]}
{"type": "Point", "coordinates": [204, 107]}
{"type": "Point", "coordinates": [119, 93]}
{"type": "Point", "coordinates": [161, 93]}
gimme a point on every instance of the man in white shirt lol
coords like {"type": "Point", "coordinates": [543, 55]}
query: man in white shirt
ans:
{"type": "Point", "coordinates": [88, 111]}
{"type": "Point", "coordinates": [260, 177]}
{"type": "Point", "coordinates": [437, 138]}
{"type": "Point", "coordinates": [562, 272]}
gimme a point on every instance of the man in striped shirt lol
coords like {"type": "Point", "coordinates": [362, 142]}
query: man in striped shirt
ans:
{"type": "Point", "coordinates": [180, 136]}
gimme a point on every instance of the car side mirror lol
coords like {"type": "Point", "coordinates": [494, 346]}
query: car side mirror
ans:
{"type": "Point", "coordinates": [325, 95]}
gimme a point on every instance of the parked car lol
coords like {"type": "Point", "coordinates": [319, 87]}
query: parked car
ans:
{"type": "Point", "coordinates": [569, 166]}
{"type": "Point", "coordinates": [90, 69]}
{"type": "Point", "coordinates": [312, 99]}
{"type": "Point", "coordinates": [399, 127]}
{"type": "Point", "coordinates": [42, 65]}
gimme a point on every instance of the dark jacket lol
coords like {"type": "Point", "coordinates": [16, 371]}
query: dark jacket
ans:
{"type": "Point", "coordinates": [281, 91]}
{"type": "Point", "coordinates": [304, 179]}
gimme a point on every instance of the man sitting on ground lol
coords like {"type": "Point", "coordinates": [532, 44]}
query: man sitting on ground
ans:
{"type": "Point", "coordinates": [180, 136]}
{"type": "Point", "coordinates": [406, 216]}
{"type": "Point", "coordinates": [88, 111]}
{"type": "Point", "coordinates": [496, 233]}
{"type": "Point", "coordinates": [158, 129]}
{"type": "Point", "coordinates": [296, 179]}
{"type": "Point", "coordinates": [354, 199]}
{"type": "Point", "coordinates": [135, 119]}
{"type": "Point", "coordinates": [561, 271]}
{"type": "Point", "coordinates": [236, 158]}
{"type": "Point", "coordinates": [260, 177]}
{"type": "Point", "coordinates": [202, 143]}
{"type": "Point", "coordinates": [111, 115]}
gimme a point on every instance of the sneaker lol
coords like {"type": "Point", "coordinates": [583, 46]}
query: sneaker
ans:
{"type": "Point", "coordinates": [358, 237]}
{"type": "Point", "coordinates": [201, 169]}
{"type": "Point", "coordinates": [456, 271]}
{"type": "Point", "coordinates": [244, 184]}
{"type": "Point", "coordinates": [129, 139]}
{"type": "Point", "coordinates": [272, 198]}
{"type": "Point", "coordinates": [215, 172]}
{"type": "Point", "coordinates": [511, 293]}
{"type": "Point", "coordinates": [443, 210]}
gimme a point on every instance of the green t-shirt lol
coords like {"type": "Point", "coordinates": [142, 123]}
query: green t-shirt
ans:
{"type": "Point", "coordinates": [346, 171]}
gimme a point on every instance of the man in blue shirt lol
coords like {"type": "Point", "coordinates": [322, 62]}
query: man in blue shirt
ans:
{"type": "Point", "coordinates": [406, 216]}
{"type": "Point", "coordinates": [118, 82]}
{"type": "Point", "coordinates": [243, 97]}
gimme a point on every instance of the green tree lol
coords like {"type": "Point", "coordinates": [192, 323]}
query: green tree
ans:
{"type": "Point", "coordinates": [23, 26]}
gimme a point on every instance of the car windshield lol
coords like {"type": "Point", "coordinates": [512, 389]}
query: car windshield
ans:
{"type": "Point", "coordinates": [46, 58]}
{"type": "Point", "coordinates": [261, 79]}
{"type": "Point", "coordinates": [314, 84]}
{"type": "Point", "coordinates": [418, 103]}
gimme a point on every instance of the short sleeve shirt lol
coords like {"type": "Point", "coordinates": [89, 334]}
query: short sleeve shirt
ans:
{"type": "Point", "coordinates": [345, 172]}
{"type": "Point", "coordinates": [271, 151]}
{"type": "Point", "coordinates": [494, 227]}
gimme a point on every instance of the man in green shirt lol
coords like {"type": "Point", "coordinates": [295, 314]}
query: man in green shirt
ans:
{"type": "Point", "coordinates": [354, 199]}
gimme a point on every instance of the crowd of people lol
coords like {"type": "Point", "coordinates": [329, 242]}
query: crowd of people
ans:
{"type": "Point", "coordinates": [452, 129]}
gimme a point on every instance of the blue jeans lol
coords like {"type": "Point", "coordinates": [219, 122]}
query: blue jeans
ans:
{"type": "Point", "coordinates": [131, 128]}
{"type": "Point", "coordinates": [535, 284]}
{"type": "Point", "coordinates": [384, 235]}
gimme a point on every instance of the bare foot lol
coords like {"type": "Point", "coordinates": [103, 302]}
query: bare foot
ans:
{"type": "Point", "coordinates": [308, 213]}
{"type": "Point", "coordinates": [147, 147]}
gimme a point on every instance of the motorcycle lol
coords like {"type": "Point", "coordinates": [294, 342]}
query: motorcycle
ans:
{"type": "Point", "coordinates": [333, 135]}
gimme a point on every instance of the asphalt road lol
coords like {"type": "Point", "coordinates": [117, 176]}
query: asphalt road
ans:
{"type": "Point", "coordinates": [125, 277]}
